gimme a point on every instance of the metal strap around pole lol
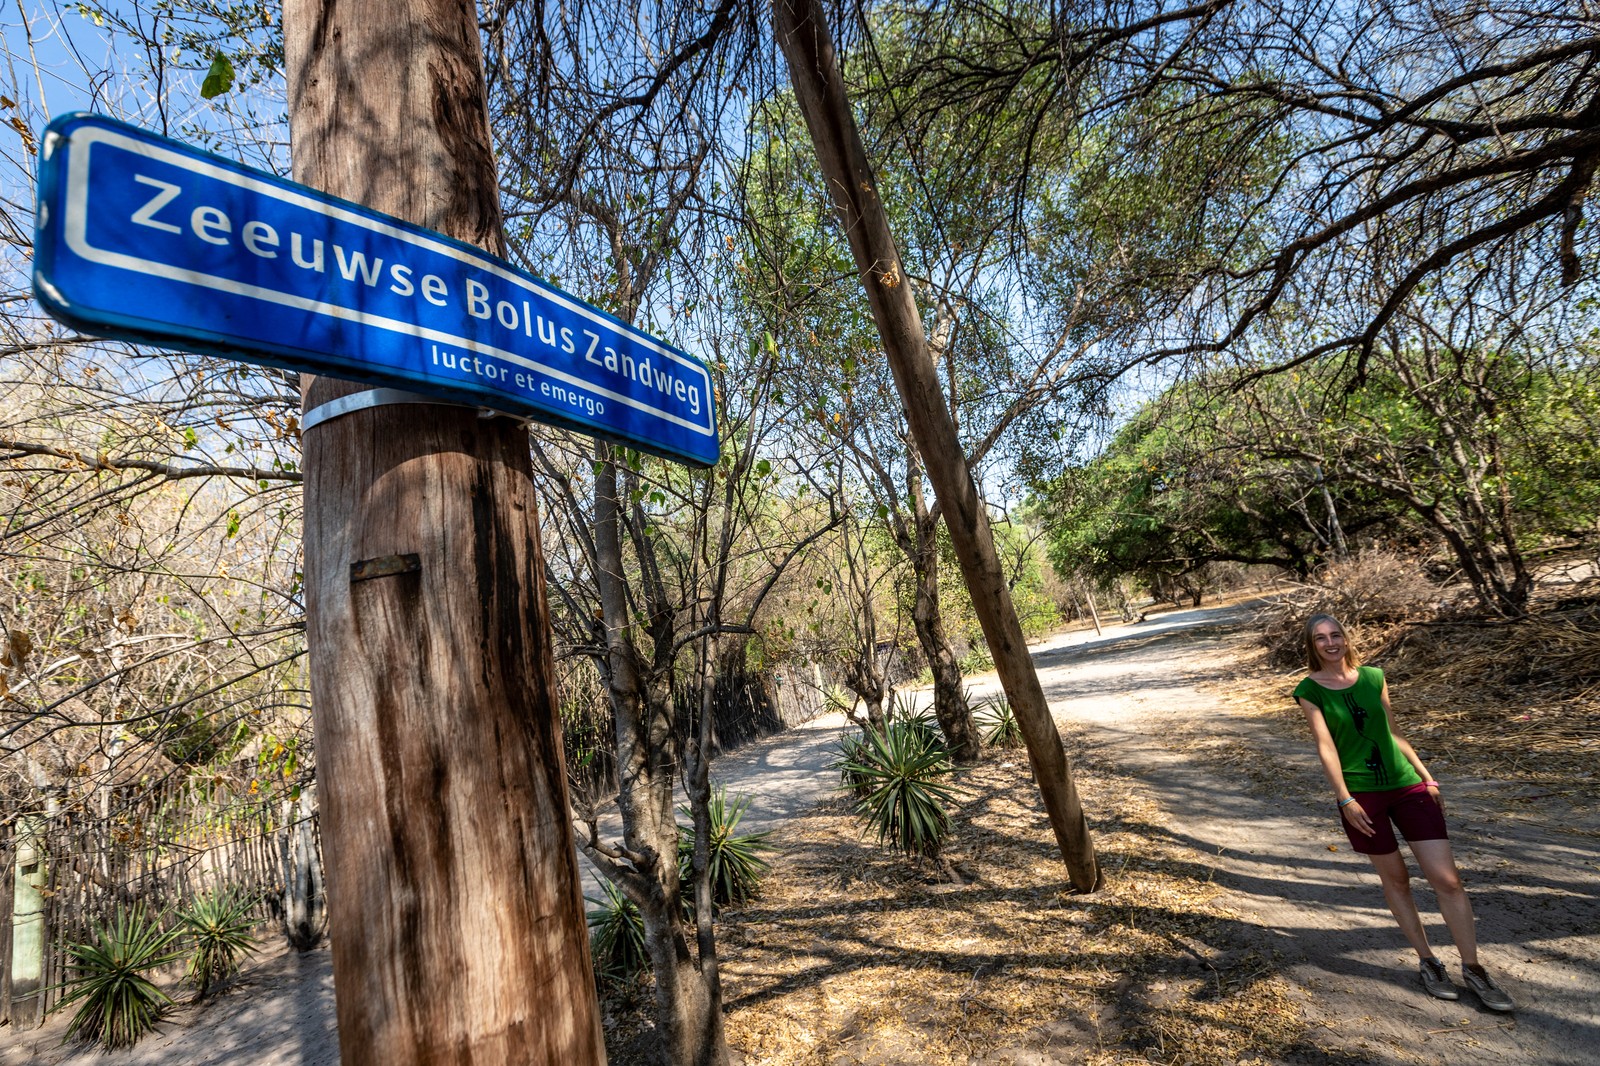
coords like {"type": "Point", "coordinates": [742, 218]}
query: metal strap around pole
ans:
{"type": "Point", "coordinates": [361, 401]}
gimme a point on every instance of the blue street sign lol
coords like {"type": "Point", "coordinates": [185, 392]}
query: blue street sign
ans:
{"type": "Point", "coordinates": [149, 240]}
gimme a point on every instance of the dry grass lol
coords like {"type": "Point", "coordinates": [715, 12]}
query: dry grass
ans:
{"type": "Point", "coordinates": [1518, 701]}
{"type": "Point", "coordinates": [855, 956]}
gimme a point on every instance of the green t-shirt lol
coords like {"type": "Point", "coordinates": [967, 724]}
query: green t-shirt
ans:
{"type": "Point", "coordinates": [1370, 758]}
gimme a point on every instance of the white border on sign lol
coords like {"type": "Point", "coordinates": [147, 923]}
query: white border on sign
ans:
{"type": "Point", "coordinates": [75, 226]}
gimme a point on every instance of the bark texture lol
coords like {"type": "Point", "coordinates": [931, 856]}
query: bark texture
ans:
{"type": "Point", "coordinates": [457, 925]}
{"type": "Point", "coordinates": [803, 35]}
{"type": "Point", "coordinates": [920, 541]}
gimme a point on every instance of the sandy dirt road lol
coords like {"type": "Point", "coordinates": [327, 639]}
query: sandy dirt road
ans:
{"type": "Point", "coordinates": [1142, 697]}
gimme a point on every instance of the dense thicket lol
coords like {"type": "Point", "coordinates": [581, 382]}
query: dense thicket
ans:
{"type": "Point", "coordinates": [1477, 446]}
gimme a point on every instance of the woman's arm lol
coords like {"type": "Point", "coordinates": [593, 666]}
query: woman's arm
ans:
{"type": "Point", "coordinates": [1408, 751]}
{"type": "Point", "coordinates": [1328, 754]}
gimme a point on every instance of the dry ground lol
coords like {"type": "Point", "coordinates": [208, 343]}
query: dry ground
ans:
{"type": "Point", "coordinates": [856, 955]}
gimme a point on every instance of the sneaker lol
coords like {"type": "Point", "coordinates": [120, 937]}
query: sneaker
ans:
{"type": "Point", "coordinates": [1436, 979]}
{"type": "Point", "coordinates": [1489, 994]}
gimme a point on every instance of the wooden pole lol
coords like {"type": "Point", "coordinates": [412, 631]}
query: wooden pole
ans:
{"type": "Point", "coordinates": [453, 895]}
{"type": "Point", "coordinates": [1094, 612]}
{"type": "Point", "coordinates": [802, 33]}
{"type": "Point", "coordinates": [27, 924]}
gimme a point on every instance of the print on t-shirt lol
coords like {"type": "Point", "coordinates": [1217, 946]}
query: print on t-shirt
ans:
{"type": "Point", "coordinates": [1374, 760]}
{"type": "Point", "coordinates": [1358, 713]}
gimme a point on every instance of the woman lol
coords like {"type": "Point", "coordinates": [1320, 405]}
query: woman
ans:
{"type": "Point", "coordinates": [1379, 783]}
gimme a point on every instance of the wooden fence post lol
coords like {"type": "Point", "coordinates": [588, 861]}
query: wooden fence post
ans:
{"type": "Point", "coordinates": [27, 924]}
{"type": "Point", "coordinates": [8, 869]}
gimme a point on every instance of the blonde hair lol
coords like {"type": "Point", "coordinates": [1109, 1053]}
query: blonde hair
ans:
{"type": "Point", "coordinates": [1313, 660]}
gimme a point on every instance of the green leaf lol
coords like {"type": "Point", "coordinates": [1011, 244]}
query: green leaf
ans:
{"type": "Point", "coordinates": [896, 777]}
{"type": "Point", "coordinates": [763, 468]}
{"type": "Point", "coordinates": [233, 524]}
{"type": "Point", "coordinates": [735, 866]}
{"type": "Point", "coordinates": [219, 79]}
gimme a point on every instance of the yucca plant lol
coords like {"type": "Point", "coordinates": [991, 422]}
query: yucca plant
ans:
{"type": "Point", "coordinates": [921, 721]}
{"type": "Point", "coordinates": [999, 722]}
{"type": "Point", "coordinates": [118, 1004]}
{"type": "Point", "coordinates": [218, 927]}
{"type": "Point", "coordinates": [616, 938]}
{"type": "Point", "coordinates": [736, 865]}
{"type": "Point", "coordinates": [905, 795]}
{"type": "Point", "coordinates": [838, 698]}
{"type": "Point", "coordinates": [852, 752]}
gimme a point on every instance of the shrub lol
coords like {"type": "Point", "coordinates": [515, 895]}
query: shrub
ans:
{"type": "Point", "coordinates": [999, 722]}
{"type": "Point", "coordinates": [736, 865]}
{"type": "Point", "coordinates": [978, 660]}
{"type": "Point", "coordinates": [616, 938]}
{"type": "Point", "coordinates": [1377, 586]}
{"type": "Point", "coordinates": [218, 926]}
{"type": "Point", "coordinates": [117, 1003]}
{"type": "Point", "coordinates": [904, 796]}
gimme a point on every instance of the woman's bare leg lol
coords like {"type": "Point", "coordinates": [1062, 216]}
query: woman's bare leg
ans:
{"type": "Point", "coordinates": [1397, 893]}
{"type": "Point", "coordinates": [1438, 864]}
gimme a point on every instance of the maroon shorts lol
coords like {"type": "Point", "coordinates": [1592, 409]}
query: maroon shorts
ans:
{"type": "Point", "coordinates": [1411, 808]}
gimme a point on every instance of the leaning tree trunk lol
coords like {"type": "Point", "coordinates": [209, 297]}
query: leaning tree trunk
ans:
{"type": "Point", "coordinates": [453, 890]}
{"type": "Point", "coordinates": [802, 33]}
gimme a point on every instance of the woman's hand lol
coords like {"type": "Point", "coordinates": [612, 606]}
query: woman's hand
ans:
{"type": "Point", "coordinates": [1433, 790]}
{"type": "Point", "coordinates": [1357, 817]}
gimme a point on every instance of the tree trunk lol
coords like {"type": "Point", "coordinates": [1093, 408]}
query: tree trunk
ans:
{"type": "Point", "coordinates": [304, 903]}
{"type": "Point", "coordinates": [949, 701]}
{"type": "Point", "coordinates": [453, 891]}
{"type": "Point", "coordinates": [802, 33]}
{"type": "Point", "coordinates": [1094, 611]}
{"type": "Point", "coordinates": [864, 677]}
{"type": "Point", "coordinates": [1341, 550]}
{"type": "Point", "coordinates": [688, 1015]}
{"type": "Point", "coordinates": [710, 1042]}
